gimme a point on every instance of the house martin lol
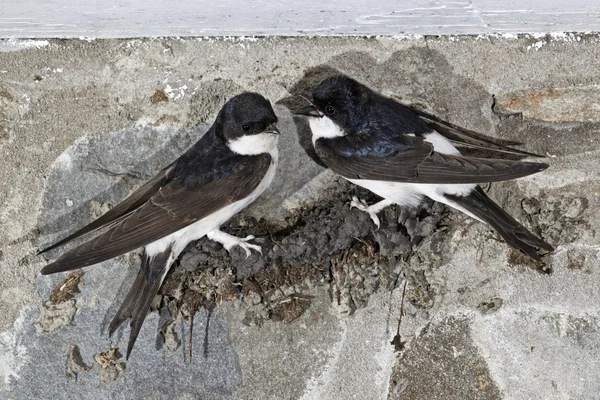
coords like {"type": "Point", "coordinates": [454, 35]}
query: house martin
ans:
{"type": "Point", "coordinates": [402, 155]}
{"type": "Point", "coordinates": [221, 174]}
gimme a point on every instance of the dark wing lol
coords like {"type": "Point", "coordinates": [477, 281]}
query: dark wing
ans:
{"type": "Point", "coordinates": [172, 208]}
{"type": "Point", "coordinates": [133, 201]}
{"type": "Point", "coordinates": [465, 137]}
{"type": "Point", "coordinates": [411, 159]}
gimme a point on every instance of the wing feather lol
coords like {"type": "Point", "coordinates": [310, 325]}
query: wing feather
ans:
{"type": "Point", "coordinates": [172, 208]}
{"type": "Point", "coordinates": [412, 160]}
{"type": "Point", "coordinates": [132, 202]}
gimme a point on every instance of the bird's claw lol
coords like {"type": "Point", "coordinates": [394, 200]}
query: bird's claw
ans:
{"type": "Point", "coordinates": [358, 203]}
{"type": "Point", "coordinates": [363, 206]}
{"type": "Point", "coordinates": [243, 243]}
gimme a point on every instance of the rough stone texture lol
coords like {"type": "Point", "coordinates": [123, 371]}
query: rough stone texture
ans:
{"type": "Point", "coordinates": [443, 364]}
{"type": "Point", "coordinates": [82, 123]}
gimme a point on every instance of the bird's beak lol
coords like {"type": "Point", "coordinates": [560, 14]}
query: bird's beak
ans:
{"type": "Point", "coordinates": [272, 129]}
{"type": "Point", "coordinates": [309, 111]}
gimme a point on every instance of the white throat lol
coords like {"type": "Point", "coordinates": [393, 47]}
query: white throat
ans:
{"type": "Point", "coordinates": [251, 145]}
{"type": "Point", "coordinates": [324, 127]}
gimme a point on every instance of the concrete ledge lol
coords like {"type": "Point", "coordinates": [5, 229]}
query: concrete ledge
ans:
{"type": "Point", "coordinates": [145, 18]}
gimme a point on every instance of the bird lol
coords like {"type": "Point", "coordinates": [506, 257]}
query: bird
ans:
{"type": "Point", "coordinates": [403, 155]}
{"type": "Point", "coordinates": [222, 173]}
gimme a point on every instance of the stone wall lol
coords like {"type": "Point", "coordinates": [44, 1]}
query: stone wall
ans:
{"type": "Point", "coordinates": [84, 122]}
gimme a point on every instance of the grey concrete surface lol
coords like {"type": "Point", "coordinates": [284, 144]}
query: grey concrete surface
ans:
{"type": "Point", "coordinates": [84, 122]}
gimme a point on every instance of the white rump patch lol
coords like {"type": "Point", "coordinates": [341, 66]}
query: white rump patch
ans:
{"type": "Point", "coordinates": [440, 143]}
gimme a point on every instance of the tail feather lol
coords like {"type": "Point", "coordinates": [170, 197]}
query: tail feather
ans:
{"type": "Point", "coordinates": [141, 294]}
{"type": "Point", "coordinates": [515, 234]}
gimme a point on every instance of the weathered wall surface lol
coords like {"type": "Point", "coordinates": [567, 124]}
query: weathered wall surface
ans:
{"type": "Point", "coordinates": [146, 18]}
{"type": "Point", "coordinates": [82, 123]}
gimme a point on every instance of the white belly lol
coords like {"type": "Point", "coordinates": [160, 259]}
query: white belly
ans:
{"type": "Point", "coordinates": [411, 194]}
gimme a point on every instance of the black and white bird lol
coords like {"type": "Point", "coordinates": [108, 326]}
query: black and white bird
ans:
{"type": "Point", "coordinates": [399, 154]}
{"type": "Point", "coordinates": [226, 170]}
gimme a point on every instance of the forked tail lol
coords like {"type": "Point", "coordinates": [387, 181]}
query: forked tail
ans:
{"type": "Point", "coordinates": [139, 298]}
{"type": "Point", "coordinates": [515, 234]}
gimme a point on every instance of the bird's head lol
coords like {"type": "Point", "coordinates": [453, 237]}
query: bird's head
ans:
{"type": "Point", "coordinates": [338, 103]}
{"type": "Point", "coordinates": [247, 123]}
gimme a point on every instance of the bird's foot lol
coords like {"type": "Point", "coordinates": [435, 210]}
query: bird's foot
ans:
{"type": "Point", "coordinates": [243, 243]}
{"type": "Point", "coordinates": [363, 206]}
{"type": "Point", "coordinates": [229, 241]}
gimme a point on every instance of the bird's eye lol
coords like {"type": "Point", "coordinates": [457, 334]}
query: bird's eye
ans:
{"type": "Point", "coordinates": [329, 110]}
{"type": "Point", "coordinates": [246, 128]}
